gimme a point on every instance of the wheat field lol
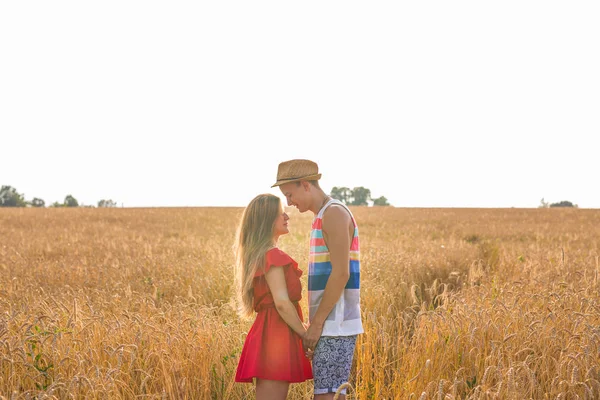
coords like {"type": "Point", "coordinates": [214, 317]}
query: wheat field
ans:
{"type": "Point", "coordinates": [457, 303]}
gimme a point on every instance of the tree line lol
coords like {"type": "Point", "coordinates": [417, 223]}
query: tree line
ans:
{"type": "Point", "coordinates": [564, 203]}
{"type": "Point", "coordinates": [10, 197]}
{"type": "Point", "coordinates": [359, 196]}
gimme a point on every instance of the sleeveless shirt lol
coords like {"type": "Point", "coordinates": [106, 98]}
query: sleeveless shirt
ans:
{"type": "Point", "coordinates": [345, 318]}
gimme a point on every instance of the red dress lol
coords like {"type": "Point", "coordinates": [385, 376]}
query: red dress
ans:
{"type": "Point", "coordinates": [272, 350]}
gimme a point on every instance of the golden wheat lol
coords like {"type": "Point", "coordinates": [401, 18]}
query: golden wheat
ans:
{"type": "Point", "coordinates": [457, 304]}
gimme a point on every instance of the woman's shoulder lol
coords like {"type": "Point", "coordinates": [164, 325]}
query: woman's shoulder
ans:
{"type": "Point", "coordinates": [278, 258]}
{"type": "Point", "coordinates": [275, 257]}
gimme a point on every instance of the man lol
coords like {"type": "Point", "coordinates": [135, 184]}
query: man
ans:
{"type": "Point", "coordinates": [333, 276]}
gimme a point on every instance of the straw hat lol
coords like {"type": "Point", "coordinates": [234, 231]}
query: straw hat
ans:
{"type": "Point", "coordinates": [297, 170]}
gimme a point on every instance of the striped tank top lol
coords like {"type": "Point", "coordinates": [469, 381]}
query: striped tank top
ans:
{"type": "Point", "coordinates": [344, 319]}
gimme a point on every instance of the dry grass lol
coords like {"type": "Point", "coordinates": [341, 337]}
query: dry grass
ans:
{"type": "Point", "coordinates": [135, 303]}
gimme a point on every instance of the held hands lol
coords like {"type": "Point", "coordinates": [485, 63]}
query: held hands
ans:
{"type": "Point", "coordinates": [308, 352]}
{"type": "Point", "coordinates": [311, 338]}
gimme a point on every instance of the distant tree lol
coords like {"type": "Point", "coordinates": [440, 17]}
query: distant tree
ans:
{"type": "Point", "coordinates": [380, 201]}
{"type": "Point", "coordinates": [10, 198]}
{"type": "Point", "coordinates": [563, 203]}
{"type": "Point", "coordinates": [106, 204]}
{"type": "Point", "coordinates": [37, 202]}
{"type": "Point", "coordinates": [543, 204]}
{"type": "Point", "coordinates": [341, 193]}
{"type": "Point", "coordinates": [70, 201]}
{"type": "Point", "coordinates": [360, 196]}
{"type": "Point", "coordinates": [57, 204]}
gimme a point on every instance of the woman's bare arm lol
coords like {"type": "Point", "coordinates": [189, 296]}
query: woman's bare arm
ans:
{"type": "Point", "coordinates": [276, 281]}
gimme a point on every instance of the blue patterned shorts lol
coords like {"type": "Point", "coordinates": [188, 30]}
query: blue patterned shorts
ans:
{"type": "Point", "coordinates": [332, 361]}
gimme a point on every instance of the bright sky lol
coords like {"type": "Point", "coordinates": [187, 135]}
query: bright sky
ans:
{"type": "Point", "coordinates": [428, 103]}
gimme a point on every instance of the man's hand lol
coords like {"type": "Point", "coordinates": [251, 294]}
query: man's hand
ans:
{"type": "Point", "coordinates": [312, 336]}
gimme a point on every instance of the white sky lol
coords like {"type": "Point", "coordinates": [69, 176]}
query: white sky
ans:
{"type": "Point", "coordinates": [428, 103]}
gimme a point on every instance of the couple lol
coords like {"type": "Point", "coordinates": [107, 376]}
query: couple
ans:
{"type": "Point", "coordinates": [279, 346]}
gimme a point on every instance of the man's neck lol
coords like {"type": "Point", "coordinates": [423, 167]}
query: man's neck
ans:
{"type": "Point", "coordinates": [320, 201]}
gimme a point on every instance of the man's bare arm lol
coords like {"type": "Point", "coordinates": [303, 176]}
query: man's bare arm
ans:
{"type": "Point", "coordinates": [338, 239]}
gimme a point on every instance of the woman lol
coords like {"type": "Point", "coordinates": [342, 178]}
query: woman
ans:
{"type": "Point", "coordinates": [268, 283]}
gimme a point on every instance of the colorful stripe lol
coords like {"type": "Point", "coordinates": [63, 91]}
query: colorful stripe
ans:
{"type": "Point", "coordinates": [324, 268]}
{"type": "Point", "coordinates": [318, 282]}
{"type": "Point", "coordinates": [324, 257]}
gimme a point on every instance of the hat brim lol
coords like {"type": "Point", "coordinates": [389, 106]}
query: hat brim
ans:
{"type": "Point", "coordinates": [314, 177]}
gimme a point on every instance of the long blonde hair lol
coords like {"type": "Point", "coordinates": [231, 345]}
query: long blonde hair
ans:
{"type": "Point", "coordinates": [254, 238]}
